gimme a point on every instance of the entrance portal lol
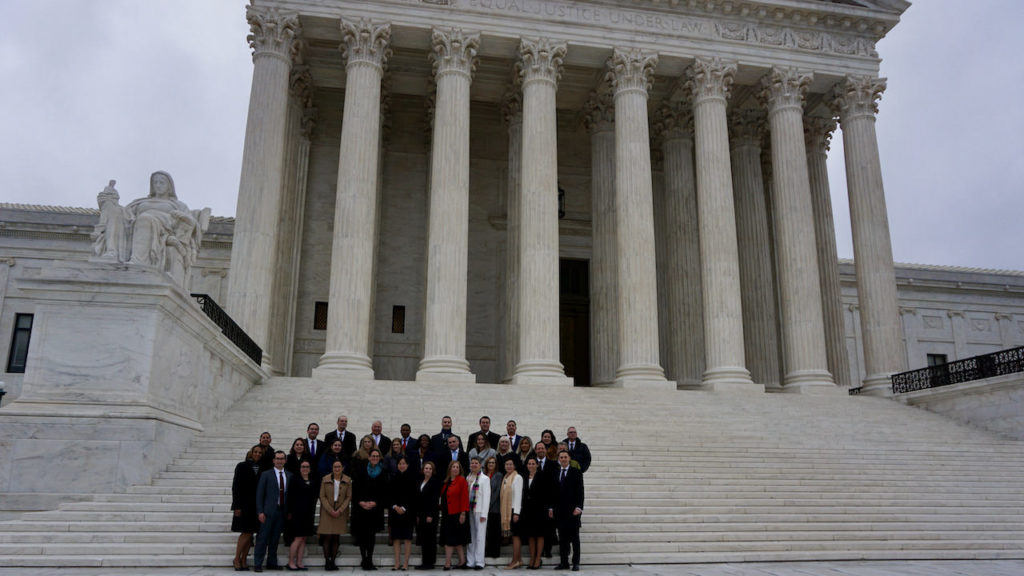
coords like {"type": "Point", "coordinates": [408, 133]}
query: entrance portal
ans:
{"type": "Point", "coordinates": [574, 319]}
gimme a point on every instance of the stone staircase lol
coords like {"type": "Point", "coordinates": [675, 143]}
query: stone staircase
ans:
{"type": "Point", "coordinates": [677, 477]}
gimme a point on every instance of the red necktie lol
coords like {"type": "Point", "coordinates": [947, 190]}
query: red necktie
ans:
{"type": "Point", "coordinates": [280, 489]}
{"type": "Point", "coordinates": [403, 444]}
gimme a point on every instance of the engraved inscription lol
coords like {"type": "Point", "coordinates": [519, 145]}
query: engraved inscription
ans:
{"type": "Point", "coordinates": [594, 15]}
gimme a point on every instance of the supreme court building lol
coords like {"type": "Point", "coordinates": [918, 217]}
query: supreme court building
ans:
{"type": "Point", "coordinates": [628, 193]}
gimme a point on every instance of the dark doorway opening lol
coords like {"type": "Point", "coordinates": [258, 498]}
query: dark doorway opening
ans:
{"type": "Point", "coordinates": [574, 319]}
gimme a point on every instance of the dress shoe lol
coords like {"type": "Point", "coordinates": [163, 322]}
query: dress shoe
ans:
{"type": "Point", "coordinates": [257, 568]}
{"type": "Point", "coordinates": [562, 567]}
{"type": "Point", "coordinates": [575, 567]}
{"type": "Point", "coordinates": [423, 567]}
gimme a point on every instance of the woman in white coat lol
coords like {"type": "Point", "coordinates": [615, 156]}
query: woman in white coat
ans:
{"type": "Point", "coordinates": [479, 507]}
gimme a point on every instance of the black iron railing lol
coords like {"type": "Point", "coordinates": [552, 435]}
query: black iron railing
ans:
{"type": "Point", "coordinates": [227, 326]}
{"type": "Point", "coordinates": [974, 368]}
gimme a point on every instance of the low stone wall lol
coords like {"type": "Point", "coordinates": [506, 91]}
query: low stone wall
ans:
{"type": "Point", "coordinates": [995, 404]}
{"type": "Point", "coordinates": [123, 370]}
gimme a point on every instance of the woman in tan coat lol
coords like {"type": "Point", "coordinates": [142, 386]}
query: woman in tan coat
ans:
{"type": "Point", "coordinates": [335, 497]}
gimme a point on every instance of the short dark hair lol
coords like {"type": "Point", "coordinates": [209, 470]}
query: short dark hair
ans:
{"type": "Point", "coordinates": [311, 424]}
{"type": "Point", "coordinates": [510, 422]}
{"type": "Point", "coordinates": [566, 452]}
{"type": "Point", "coordinates": [404, 425]}
{"type": "Point", "coordinates": [482, 418]}
{"type": "Point", "coordinates": [281, 452]}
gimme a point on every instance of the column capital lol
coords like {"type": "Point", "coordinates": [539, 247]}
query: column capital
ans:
{"type": "Point", "coordinates": [710, 78]}
{"type": "Point", "coordinates": [856, 96]}
{"type": "Point", "coordinates": [784, 88]}
{"type": "Point", "coordinates": [631, 69]}
{"type": "Point", "coordinates": [747, 127]}
{"type": "Point", "coordinates": [366, 42]}
{"type": "Point", "coordinates": [818, 133]}
{"type": "Point", "coordinates": [540, 59]}
{"type": "Point", "coordinates": [454, 51]}
{"type": "Point", "coordinates": [512, 105]}
{"type": "Point", "coordinates": [300, 85]}
{"type": "Point", "coordinates": [672, 121]}
{"type": "Point", "coordinates": [308, 122]}
{"type": "Point", "coordinates": [272, 32]}
{"type": "Point", "coordinates": [599, 111]}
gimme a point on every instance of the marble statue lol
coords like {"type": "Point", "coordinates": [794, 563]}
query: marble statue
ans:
{"type": "Point", "coordinates": [158, 231]}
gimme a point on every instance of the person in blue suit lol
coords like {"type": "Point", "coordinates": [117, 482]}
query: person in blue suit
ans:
{"type": "Point", "coordinates": [271, 508]}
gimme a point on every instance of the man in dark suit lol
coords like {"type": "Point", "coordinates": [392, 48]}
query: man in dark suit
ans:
{"type": "Point", "coordinates": [271, 508]}
{"type": "Point", "coordinates": [379, 439]}
{"type": "Point", "coordinates": [514, 438]}
{"type": "Point", "coordinates": [567, 508]}
{"type": "Point", "coordinates": [578, 451]}
{"type": "Point", "coordinates": [453, 452]}
{"type": "Point", "coordinates": [439, 441]}
{"type": "Point", "coordinates": [314, 447]}
{"type": "Point", "coordinates": [485, 429]}
{"type": "Point", "coordinates": [348, 439]}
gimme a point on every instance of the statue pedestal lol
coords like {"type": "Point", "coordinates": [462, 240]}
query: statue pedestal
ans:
{"type": "Point", "coordinates": [123, 369]}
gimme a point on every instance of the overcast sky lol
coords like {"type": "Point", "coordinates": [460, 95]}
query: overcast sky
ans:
{"type": "Point", "coordinates": [99, 89]}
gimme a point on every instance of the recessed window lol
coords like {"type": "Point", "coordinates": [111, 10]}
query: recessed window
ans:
{"type": "Point", "coordinates": [936, 359]}
{"type": "Point", "coordinates": [320, 316]}
{"type": "Point", "coordinates": [398, 319]}
{"type": "Point", "coordinates": [19, 343]}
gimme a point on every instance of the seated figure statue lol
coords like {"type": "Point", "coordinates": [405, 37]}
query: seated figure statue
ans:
{"type": "Point", "coordinates": [158, 230]}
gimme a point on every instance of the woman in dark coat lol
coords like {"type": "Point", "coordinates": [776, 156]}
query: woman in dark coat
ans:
{"type": "Point", "coordinates": [369, 499]}
{"type": "Point", "coordinates": [303, 492]}
{"type": "Point", "coordinates": [244, 519]}
{"type": "Point", "coordinates": [427, 511]}
{"type": "Point", "coordinates": [402, 511]}
{"type": "Point", "coordinates": [533, 519]}
{"type": "Point", "coordinates": [296, 456]}
{"type": "Point", "coordinates": [334, 454]}
{"type": "Point", "coordinates": [455, 506]}
{"type": "Point", "coordinates": [492, 547]}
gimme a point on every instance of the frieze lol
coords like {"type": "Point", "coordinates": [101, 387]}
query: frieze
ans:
{"type": "Point", "coordinates": [756, 33]}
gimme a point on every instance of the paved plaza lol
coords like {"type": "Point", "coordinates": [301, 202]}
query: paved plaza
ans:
{"type": "Point", "coordinates": [866, 568]}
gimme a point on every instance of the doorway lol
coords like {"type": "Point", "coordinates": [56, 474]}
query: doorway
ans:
{"type": "Point", "coordinates": [574, 319]}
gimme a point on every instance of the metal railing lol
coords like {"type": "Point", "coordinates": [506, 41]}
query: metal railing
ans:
{"type": "Point", "coordinates": [975, 368]}
{"type": "Point", "coordinates": [227, 326]}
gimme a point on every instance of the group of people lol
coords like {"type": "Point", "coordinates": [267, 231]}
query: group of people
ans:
{"type": "Point", "coordinates": [505, 489]}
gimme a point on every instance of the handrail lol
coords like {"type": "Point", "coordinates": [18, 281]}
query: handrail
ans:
{"type": "Point", "coordinates": [229, 328]}
{"type": "Point", "coordinates": [1007, 361]}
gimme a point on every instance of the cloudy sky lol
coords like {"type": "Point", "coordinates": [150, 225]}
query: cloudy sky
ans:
{"type": "Point", "coordinates": [101, 89]}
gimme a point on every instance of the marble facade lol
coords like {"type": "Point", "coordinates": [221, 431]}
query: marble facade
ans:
{"type": "Point", "coordinates": [445, 266]}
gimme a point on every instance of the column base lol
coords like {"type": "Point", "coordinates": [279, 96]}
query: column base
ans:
{"type": "Point", "coordinates": [351, 364]}
{"type": "Point", "coordinates": [444, 369]}
{"type": "Point", "coordinates": [730, 379]}
{"type": "Point", "coordinates": [878, 385]}
{"type": "Point", "coordinates": [540, 373]}
{"type": "Point", "coordinates": [806, 381]}
{"type": "Point", "coordinates": [642, 376]}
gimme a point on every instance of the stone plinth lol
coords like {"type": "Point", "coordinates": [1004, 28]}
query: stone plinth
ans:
{"type": "Point", "coordinates": [123, 369]}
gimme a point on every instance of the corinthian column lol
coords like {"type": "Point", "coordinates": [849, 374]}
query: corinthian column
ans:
{"type": "Point", "coordinates": [757, 283]}
{"type": "Point", "coordinates": [710, 80]}
{"type": "Point", "coordinates": [685, 363]}
{"type": "Point", "coordinates": [365, 45]}
{"type": "Point", "coordinates": [250, 284]}
{"type": "Point", "coordinates": [631, 73]}
{"type": "Point", "coordinates": [805, 365]}
{"type": "Point", "coordinates": [512, 113]}
{"type": "Point", "coordinates": [855, 101]}
{"type": "Point", "coordinates": [540, 67]}
{"type": "Point", "coordinates": [817, 134]}
{"type": "Point", "coordinates": [444, 355]}
{"type": "Point", "coordinates": [600, 123]}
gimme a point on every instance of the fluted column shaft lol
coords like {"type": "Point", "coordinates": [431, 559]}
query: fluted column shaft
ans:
{"type": "Point", "coordinates": [639, 364]}
{"type": "Point", "coordinates": [817, 133]}
{"type": "Point", "coordinates": [709, 81]}
{"type": "Point", "coordinates": [685, 314]}
{"type": "Point", "coordinates": [444, 356]}
{"type": "Point", "coordinates": [600, 122]}
{"type": "Point", "coordinates": [805, 364]}
{"type": "Point", "coordinates": [513, 112]}
{"type": "Point", "coordinates": [538, 362]}
{"type": "Point", "coordinates": [757, 282]}
{"type": "Point", "coordinates": [250, 284]}
{"type": "Point", "coordinates": [351, 287]}
{"type": "Point", "coordinates": [856, 104]}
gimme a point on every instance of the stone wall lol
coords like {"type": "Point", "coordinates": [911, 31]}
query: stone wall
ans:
{"type": "Point", "coordinates": [995, 404]}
